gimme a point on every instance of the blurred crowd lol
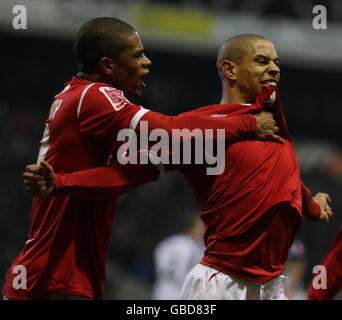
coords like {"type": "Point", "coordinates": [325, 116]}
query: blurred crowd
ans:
{"type": "Point", "coordinates": [151, 213]}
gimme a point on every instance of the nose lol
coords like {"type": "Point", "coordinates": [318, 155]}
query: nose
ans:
{"type": "Point", "coordinates": [274, 70]}
{"type": "Point", "coordinates": [147, 62]}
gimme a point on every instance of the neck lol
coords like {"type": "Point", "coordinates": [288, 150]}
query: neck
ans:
{"type": "Point", "coordinates": [233, 95]}
{"type": "Point", "coordinates": [91, 77]}
{"type": "Point", "coordinates": [228, 97]}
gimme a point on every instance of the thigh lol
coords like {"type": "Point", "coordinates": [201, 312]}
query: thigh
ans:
{"type": "Point", "coordinates": [234, 288]}
{"type": "Point", "coordinates": [193, 287]}
{"type": "Point", "coordinates": [205, 283]}
{"type": "Point", "coordinates": [274, 289]}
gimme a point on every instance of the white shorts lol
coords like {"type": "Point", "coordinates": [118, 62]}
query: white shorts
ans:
{"type": "Point", "coordinates": [205, 283]}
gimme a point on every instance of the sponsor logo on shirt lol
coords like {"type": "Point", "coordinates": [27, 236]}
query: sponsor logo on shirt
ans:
{"type": "Point", "coordinates": [115, 97]}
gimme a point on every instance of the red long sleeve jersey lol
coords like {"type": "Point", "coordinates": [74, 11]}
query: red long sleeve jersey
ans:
{"type": "Point", "coordinates": [68, 238]}
{"type": "Point", "coordinates": [251, 211]}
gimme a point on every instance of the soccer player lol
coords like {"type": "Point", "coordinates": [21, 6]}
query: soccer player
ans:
{"type": "Point", "coordinates": [252, 210]}
{"type": "Point", "coordinates": [65, 253]}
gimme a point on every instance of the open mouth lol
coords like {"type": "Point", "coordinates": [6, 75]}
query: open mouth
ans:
{"type": "Point", "coordinates": [272, 83]}
{"type": "Point", "coordinates": [141, 83]}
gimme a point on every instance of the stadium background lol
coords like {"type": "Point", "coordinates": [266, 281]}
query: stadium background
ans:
{"type": "Point", "coordinates": [181, 38]}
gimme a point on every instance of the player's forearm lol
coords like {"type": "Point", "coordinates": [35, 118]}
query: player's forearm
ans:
{"type": "Point", "coordinates": [235, 127]}
{"type": "Point", "coordinates": [311, 209]}
{"type": "Point", "coordinates": [104, 182]}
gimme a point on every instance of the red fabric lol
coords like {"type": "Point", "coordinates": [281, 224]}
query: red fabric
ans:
{"type": "Point", "coordinates": [245, 236]}
{"type": "Point", "coordinates": [68, 238]}
{"type": "Point", "coordinates": [333, 265]}
{"type": "Point", "coordinates": [252, 211]}
{"type": "Point", "coordinates": [101, 183]}
{"type": "Point", "coordinates": [236, 127]}
{"type": "Point", "coordinates": [311, 209]}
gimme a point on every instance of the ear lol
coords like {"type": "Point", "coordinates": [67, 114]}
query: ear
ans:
{"type": "Point", "coordinates": [228, 68]}
{"type": "Point", "coordinates": [107, 66]}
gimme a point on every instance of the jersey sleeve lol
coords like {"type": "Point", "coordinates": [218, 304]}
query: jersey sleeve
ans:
{"type": "Point", "coordinates": [311, 209]}
{"type": "Point", "coordinates": [103, 111]}
{"type": "Point", "coordinates": [235, 127]}
{"type": "Point", "coordinates": [104, 182]}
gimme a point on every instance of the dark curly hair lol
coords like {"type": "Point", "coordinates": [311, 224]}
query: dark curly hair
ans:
{"type": "Point", "coordinates": [100, 37]}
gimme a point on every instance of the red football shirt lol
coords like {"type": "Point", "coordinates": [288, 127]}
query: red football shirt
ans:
{"type": "Point", "coordinates": [251, 212]}
{"type": "Point", "coordinates": [243, 236]}
{"type": "Point", "coordinates": [68, 237]}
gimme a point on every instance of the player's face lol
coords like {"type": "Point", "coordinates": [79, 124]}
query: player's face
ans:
{"type": "Point", "coordinates": [260, 66]}
{"type": "Point", "coordinates": [132, 65]}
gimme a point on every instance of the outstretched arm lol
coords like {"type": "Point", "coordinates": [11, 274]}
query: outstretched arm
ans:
{"type": "Point", "coordinates": [97, 184]}
{"type": "Point", "coordinates": [260, 126]}
{"type": "Point", "coordinates": [316, 208]}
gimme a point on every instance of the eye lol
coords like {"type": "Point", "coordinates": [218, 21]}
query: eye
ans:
{"type": "Point", "coordinates": [262, 61]}
{"type": "Point", "coordinates": [139, 54]}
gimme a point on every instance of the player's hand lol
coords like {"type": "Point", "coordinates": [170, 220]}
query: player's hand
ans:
{"type": "Point", "coordinates": [323, 200]}
{"type": "Point", "coordinates": [39, 179]}
{"type": "Point", "coordinates": [267, 128]}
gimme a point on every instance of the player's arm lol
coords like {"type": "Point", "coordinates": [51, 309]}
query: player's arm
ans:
{"type": "Point", "coordinates": [316, 208]}
{"type": "Point", "coordinates": [105, 111]}
{"type": "Point", "coordinates": [97, 183]}
{"type": "Point", "coordinates": [260, 126]}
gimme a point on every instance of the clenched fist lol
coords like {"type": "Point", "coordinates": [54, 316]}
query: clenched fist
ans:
{"type": "Point", "coordinates": [267, 127]}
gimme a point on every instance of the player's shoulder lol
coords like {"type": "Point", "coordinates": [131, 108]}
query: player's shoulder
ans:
{"type": "Point", "coordinates": [108, 94]}
{"type": "Point", "coordinates": [104, 90]}
{"type": "Point", "coordinates": [222, 110]}
{"type": "Point", "coordinates": [206, 110]}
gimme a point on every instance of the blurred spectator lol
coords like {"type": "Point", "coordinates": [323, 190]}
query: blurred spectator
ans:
{"type": "Point", "coordinates": [295, 270]}
{"type": "Point", "coordinates": [175, 256]}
